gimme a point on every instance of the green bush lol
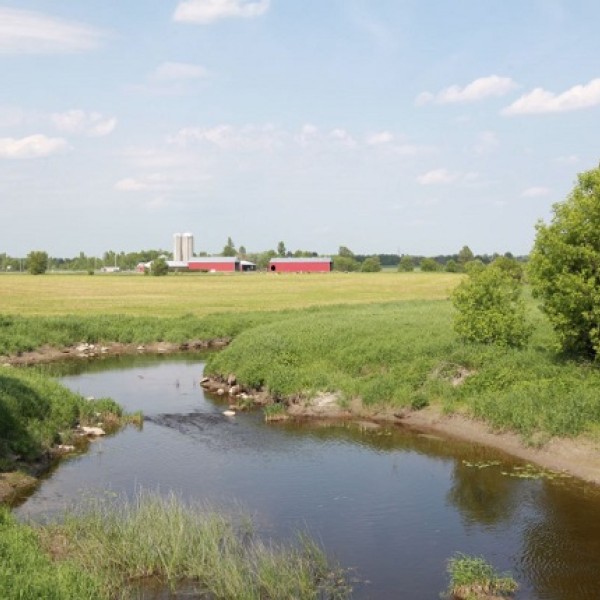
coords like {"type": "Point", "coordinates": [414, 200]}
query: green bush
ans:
{"type": "Point", "coordinates": [565, 267]}
{"type": "Point", "coordinates": [489, 310]}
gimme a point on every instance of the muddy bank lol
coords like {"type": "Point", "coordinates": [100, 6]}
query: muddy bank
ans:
{"type": "Point", "coordinates": [47, 354]}
{"type": "Point", "coordinates": [578, 456]}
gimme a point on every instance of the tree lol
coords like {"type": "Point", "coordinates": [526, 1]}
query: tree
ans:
{"type": "Point", "coordinates": [452, 266]}
{"type": "Point", "coordinates": [564, 268]}
{"type": "Point", "coordinates": [371, 264]}
{"type": "Point", "coordinates": [510, 266]}
{"type": "Point", "coordinates": [406, 264]}
{"type": "Point", "coordinates": [473, 267]}
{"type": "Point", "coordinates": [242, 252]}
{"type": "Point", "coordinates": [159, 267]}
{"type": "Point", "coordinates": [346, 252]}
{"type": "Point", "coordinates": [229, 248]}
{"type": "Point", "coordinates": [429, 265]}
{"type": "Point", "coordinates": [465, 255]}
{"type": "Point", "coordinates": [345, 263]}
{"type": "Point", "coordinates": [37, 262]}
{"type": "Point", "coordinates": [490, 310]}
{"type": "Point", "coordinates": [281, 251]}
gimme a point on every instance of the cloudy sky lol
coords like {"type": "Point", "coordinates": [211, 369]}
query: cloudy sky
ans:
{"type": "Point", "coordinates": [411, 126]}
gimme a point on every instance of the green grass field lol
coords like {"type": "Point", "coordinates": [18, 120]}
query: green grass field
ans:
{"type": "Point", "coordinates": [204, 294]}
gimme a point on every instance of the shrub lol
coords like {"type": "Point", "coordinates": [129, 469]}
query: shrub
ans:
{"type": "Point", "coordinates": [490, 310]}
{"type": "Point", "coordinates": [429, 265]}
{"type": "Point", "coordinates": [564, 267]}
{"type": "Point", "coordinates": [372, 264]}
{"type": "Point", "coordinates": [473, 577]}
{"type": "Point", "coordinates": [406, 264]}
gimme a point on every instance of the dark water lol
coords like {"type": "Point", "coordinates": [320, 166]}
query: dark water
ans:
{"type": "Point", "coordinates": [392, 504]}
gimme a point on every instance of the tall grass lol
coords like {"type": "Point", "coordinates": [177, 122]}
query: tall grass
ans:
{"type": "Point", "coordinates": [473, 578]}
{"type": "Point", "coordinates": [29, 573]}
{"type": "Point", "coordinates": [166, 540]}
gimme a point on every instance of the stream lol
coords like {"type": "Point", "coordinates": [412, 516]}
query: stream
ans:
{"type": "Point", "coordinates": [388, 503]}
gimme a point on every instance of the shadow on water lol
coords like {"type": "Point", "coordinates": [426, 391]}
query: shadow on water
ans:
{"type": "Point", "coordinates": [390, 503]}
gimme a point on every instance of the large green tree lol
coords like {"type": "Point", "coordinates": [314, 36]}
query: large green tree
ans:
{"type": "Point", "coordinates": [565, 267]}
{"type": "Point", "coordinates": [37, 262]}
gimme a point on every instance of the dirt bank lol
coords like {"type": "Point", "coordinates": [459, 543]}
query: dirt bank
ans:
{"type": "Point", "coordinates": [47, 354]}
{"type": "Point", "coordinates": [579, 456]}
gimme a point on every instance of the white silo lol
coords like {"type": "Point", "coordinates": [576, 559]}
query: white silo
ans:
{"type": "Point", "coordinates": [177, 247]}
{"type": "Point", "coordinates": [187, 246]}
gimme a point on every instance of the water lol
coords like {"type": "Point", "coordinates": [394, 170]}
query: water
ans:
{"type": "Point", "coordinates": [391, 504]}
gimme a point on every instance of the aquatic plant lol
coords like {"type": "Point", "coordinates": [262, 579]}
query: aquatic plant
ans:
{"type": "Point", "coordinates": [473, 578]}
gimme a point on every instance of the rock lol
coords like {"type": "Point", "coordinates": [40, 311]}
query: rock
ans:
{"type": "Point", "coordinates": [220, 392]}
{"type": "Point", "coordinates": [93, 431]}
{"type": "Point", "coordinates": [235, 390]}
{"type": "Point", "coordinates": [104, 350]}
{"type": "Point", "coordinates": [140, 348]}
{"type": "Point", "coordinates": [231, 379]}
{"type": "Point", "coordinates": [204, 380]}
{"type": "Point", "coordinates": [229, 413]}
{"type": "Point", "coordinates": [65, 448]}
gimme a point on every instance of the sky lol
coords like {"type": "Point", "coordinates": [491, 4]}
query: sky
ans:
{"type": "Point", "coordinates": [387, 126]}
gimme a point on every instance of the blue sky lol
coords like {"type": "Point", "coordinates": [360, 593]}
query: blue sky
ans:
{"type": "Point", "coordinates": [383, 125]}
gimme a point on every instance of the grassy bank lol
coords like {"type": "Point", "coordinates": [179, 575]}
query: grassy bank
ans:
{"type": "Point", "coordinates": [407, 355]}
{"type": "Point", "coordinates": [108, 549]}
{"type": "Point", "coordinates": [36, 413]}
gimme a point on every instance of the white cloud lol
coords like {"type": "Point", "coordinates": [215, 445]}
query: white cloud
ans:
{"type": "Point", "coordinates": [540, 101]}
{"type": "Point", "coordinates": [535, 192]}
{"type": "Point", "coordinates": [33, 146]}
{"type": "Point", "coordinates": [207, 11]}
{"type": "Point", "coordinates": [342, 137]}
{"type": "Point", "coordinates": [481, 88]}
{"type": "Point", "coordinates": [437, 177]}
{"type": "Point", "coordinates": [28, 32]}
{"type": "Point", "coordinates": [79, 122]}
{"type": "Point", "coordinates": [228, 137]}
{"type": "Point", "coordinates": [383, 137]}
{"type": "Point", "coordinates": [175, 71]}
{"type": "Point", "coordinates": [152, 182]}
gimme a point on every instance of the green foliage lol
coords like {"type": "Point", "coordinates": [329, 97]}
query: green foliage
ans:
{"type": "Point", "coordinates": [510, 266]}
{"type": "Point", "coordinates": [159, 267]}
{"type": "Point", "coordinates": [28, 573]}
{"type": "Point", "coordinates": [465, 255]}
{"type": "Point", "coordinates": [429, 265]}
{"type": "Point", "coordinates": [281, 250]}
{"type": "Point", "coordinates": [37, 262]}
{"type": "Point", "coordinates": [229, 248]}
{"type": "Point", "coordinates": [345, 263]}
{"type": "Point", "coordinates": [472, 577]}
{"type": "Point", "coordinates": [372, 264]}
{"type": "Point", "coordinates": [473, 267]}
{"type": "Point", "coordinates": [565, 267]}
{"type": "Point", "coordinates": [452, 266]}
{"type": "Point", "coordinates": [406, 264]}
{"type": "Point", "coordinates": [490, 310]}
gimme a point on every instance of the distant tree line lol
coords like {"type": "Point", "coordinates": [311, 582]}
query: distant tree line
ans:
{"type": "Point", "coordinates": [345, 260]}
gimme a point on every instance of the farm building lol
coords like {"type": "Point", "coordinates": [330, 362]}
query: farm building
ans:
{"type": "Point", "coordinates": [321, 264]}
{"type": "Point", "coordinates": [214, 263]}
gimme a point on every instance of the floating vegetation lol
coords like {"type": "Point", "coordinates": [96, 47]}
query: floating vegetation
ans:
{"type": "Point", "coordinates": [482, 464]}
{"type": "Point", "coordinates": [530, 471]}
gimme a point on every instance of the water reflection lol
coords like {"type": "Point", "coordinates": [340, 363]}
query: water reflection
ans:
{"type": "Point", "coordinates": [391, 503]}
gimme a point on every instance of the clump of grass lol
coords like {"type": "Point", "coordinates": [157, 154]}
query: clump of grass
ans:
{"type": "Point", "coordinates": [473, 578]}
{"type": "Point", "coordinates": [161, 538]}
{"type": "Point", "coordinates": [275, 412]}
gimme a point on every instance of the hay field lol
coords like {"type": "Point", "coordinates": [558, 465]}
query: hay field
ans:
{"type": "Point", "coordinates": [203, 294]}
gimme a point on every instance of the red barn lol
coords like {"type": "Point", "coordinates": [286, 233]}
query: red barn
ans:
{"type": "Point", "coordinates": [301, 265]}
{"type": "Point", "coordinates": [227, 264]}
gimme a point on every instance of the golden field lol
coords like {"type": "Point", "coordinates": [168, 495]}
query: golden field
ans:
{"type": "Point", "coordinates": [202, 294]}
